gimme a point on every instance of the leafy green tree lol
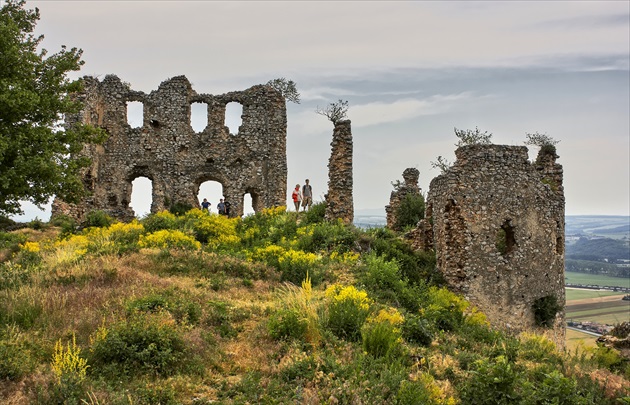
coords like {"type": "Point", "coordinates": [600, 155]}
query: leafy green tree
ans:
{"type": "Point", "coordinates": [38, 156]}
{"type": "Point", "coordinates": [287, 88]}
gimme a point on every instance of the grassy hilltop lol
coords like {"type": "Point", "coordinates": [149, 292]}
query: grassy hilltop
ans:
{"type": "Point", "coordinates": [274, 308]}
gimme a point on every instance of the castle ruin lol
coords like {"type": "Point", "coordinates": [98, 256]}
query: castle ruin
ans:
{"type": "Point", "coordinates": [339, 200]}
{"type": "Point", "coordinates": [496, 222]}
{"type": "Point", "coordinates": [166, 149]}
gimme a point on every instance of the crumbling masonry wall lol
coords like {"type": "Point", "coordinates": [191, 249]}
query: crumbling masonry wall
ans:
{"type": "Point", "coordinates": [498, 229]}
{"type": "Point", "coordinates": [177, 160]}
{"type": "Point", "coordinates": [410, 186]}
{"type": "Point", "coordinates": [339, 201]}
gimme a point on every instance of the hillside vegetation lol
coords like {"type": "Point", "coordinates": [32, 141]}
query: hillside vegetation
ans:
{"type": "Point", "coordinates": [274, 308]}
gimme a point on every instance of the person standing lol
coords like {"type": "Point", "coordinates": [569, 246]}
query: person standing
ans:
{"type": "Point", "coordinates": [297, 197]}
{"type": "Point", "coordinates": [206, 205]}
{"type": "Point", "coordinates": [307, 195]}
{"type": "Point", "coordinates": [221, 207]}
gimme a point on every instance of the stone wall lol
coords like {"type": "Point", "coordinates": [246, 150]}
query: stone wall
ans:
{"type": "Point", "coordinates": [498, 229]}
{"type": "Point", "coordinates": [177, 160]}
{"type": "Point", "coordinates": [339, 201]}
{"type": "Point", "coordinates": [410, 186]}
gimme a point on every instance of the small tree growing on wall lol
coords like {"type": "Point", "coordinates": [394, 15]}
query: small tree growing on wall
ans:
{"type": "Point", "coordinates": [287, 88]}
{"type": "Point", "coordinates": [335, 112]}
{"type": "Point", "coordinates": [470, 137]}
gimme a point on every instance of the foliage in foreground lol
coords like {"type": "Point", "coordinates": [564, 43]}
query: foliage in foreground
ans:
{"type": "Point", "coordinates": [273, 308]}
{"type": "Point", "coordinates": [38, 159]}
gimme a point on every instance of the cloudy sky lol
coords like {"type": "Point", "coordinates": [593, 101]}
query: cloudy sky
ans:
{"type": "Point", "coordinates": [411, 72]}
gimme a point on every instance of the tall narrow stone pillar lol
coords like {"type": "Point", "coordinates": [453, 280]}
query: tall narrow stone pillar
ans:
{"type": "Point", "coordinates": [339, 201]}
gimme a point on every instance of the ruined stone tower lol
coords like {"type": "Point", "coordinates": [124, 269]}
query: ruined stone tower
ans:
{"type": "Point", "coordinates": [498, 229]}
{"type": "Point", "coordinates": [410, 186]}
{"type": "Point", "coordinates": [339, 201]}
{"type": "Point", "coordinates": [177, 160]}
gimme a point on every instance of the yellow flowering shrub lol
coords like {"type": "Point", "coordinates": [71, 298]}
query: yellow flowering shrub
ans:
{"type": "Point", "coordinates": [168, 239]}
{"type": "Point", "coordinates": [347, 310]}
{"type": "Point", "coordinates": [213, 229]}
{"type": "Point", "coordinates": [68, 250]}
{"type": "Point", "coordinates": [346, 257]}
{"type": "Point", "coordinates": [423, 389]}
{"type": "Point", "coordinates": [295, 265]}
{"type": "Point", "coordinates": [32, 247]}
{"type": "Point", "coordinates": [67, 364]}
{"type": "Point", "coordinates": [389, 315]}
{"type": "Point", "coordinates": [274, 211]}
{"type": "Point", "coordinates": [269, 254]}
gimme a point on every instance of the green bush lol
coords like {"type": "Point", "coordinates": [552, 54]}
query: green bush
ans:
{"type": "Point", "coordinates": [328, 237]}
{"type": "Point", "coordinates": [67, 224]}
{"type": "Point", "coordinates": [416, 267]}
{"type": "Point", "coordinates": [410, 211]}
{"type": "Point", "coordinates": [315, 214]}
{"type": "Point", "coordinates": [492, 382]}
{"type": "Point", "coordinates": [545, 310]}
{"type": "Point", "coordinates": [417, 330]}
{"type": "Point", "coordinates": [179, 208]}
{"type": "Point", "coordinates": [287, 323]}
{"type": "Point", "coordinates": [224, 317]}
{"type": "Point", "coordinates": [181, 308]}
{"type": "Point", "coordinates": [381, 339]}
{"type": "Point", "coordinates": [98, 219]}
{"type": "Point", "coordinates": [140, 344]}
{"type": "Point", "coordinates": [15, 359]}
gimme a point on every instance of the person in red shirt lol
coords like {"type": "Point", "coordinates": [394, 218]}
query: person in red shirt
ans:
{"type": "Point", "coordinates": [297, 197]}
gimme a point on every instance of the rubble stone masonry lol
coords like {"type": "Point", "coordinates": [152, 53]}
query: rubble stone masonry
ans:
{"type": "Point", "coordinates": [177, 160]}
{"type": "Point", "coordinates": [498, 230]}
{"type": "Point", "coordinates": [410, 186]}
{"type": "Point", "coordinates": [339, 201]}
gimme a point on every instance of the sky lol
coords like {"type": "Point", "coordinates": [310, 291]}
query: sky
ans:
{"type": "Point", "coordinates": [412, 71]}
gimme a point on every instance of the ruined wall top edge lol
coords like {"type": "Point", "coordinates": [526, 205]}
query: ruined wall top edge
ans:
{"type": "Point", "coordinates": [123, 89]}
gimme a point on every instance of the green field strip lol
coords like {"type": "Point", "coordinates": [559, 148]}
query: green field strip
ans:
{"type": "Point", "coordinates": [595, 279]}
{"type": "Point", "coordinates": [575, 294]}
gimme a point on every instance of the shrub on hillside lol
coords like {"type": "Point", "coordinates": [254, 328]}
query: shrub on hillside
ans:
{"type": "Point", "coordinates": [168, 239]}
{"type": "Point", "coordinates": [159, 221]}
{"type": "Point", "coordinates": [140, 344]}
{"type": "Point", "coordinates": [410, 211]}
{"type": "Point", "coordinates": [348, 309]}
{"type": "Point", "coordinates": [315, 214]}
{"type": "Point", "coordinates": [97, 218]}
{"type": "Point", "coordinates": [381, 334]}
{"type": "Point", "coordinates": [417, 267]}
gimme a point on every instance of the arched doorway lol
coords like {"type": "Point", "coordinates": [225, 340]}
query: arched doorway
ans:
{"type": "Point", "coordinates": [211, 190]}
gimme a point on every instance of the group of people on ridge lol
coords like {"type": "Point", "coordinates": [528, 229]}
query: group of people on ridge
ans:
{"type": "Point", "coordinates": [302, 196]}
{"type": "Point", "coordinates": [223, 207]}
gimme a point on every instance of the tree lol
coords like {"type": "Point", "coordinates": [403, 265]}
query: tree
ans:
{"type": "Point", "coordinates": [470, 137]}
{"type": "Point", "coordinates": [441, 163]}
{"type": "Point", "coordinates": [335, 112]}
{"type": "Point", "coordinates": [540, 140]}
{"type": "Point", "coordinates": [287, 88]}
{"type": "Point", "coordinates": [38, 156]}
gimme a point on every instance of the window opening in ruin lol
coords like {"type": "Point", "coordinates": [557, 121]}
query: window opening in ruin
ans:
{"type": "Point", "coordinates": [559, 246]}
{"type": "Point", "coordinates": [135, 114]}
{"type": "Point", "coordinates": [141, 196]}
{"type": "Point", "coordinates": [505, 241]}
{"type": "Point", "coordinates": [212, 191]}
{"type": "Point", "coordinates": [233, 116]}
{"type": "Point", "coordinates": [248, 206]}
{"type": "Point", "coordinates": [198, 116]}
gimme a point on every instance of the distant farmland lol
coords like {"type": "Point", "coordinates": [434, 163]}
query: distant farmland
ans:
{"type": "Point", "coordinates": [595, 279]}
{"type": "Point", "coordinates": [600, 307]}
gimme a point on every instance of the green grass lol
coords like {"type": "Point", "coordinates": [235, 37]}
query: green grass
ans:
{"type": "Point", "coordinates": [596, 279]}
{"type": "Point", "coordinates": [573, 294]}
